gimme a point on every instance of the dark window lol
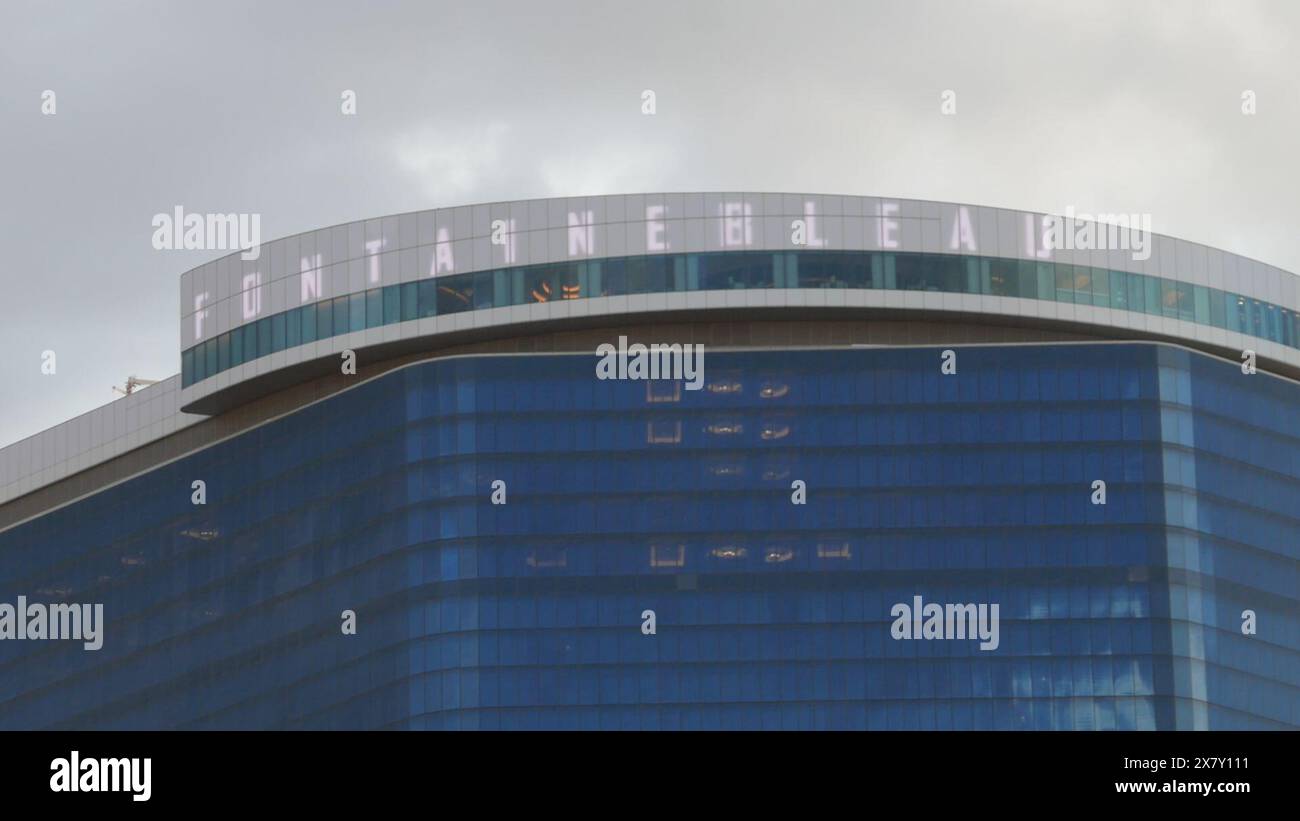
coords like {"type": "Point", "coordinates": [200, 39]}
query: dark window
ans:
{"type": "Point", "coordinates": [1168, 298]}
{"type": "Point", "coordinates": [1046, 273]}
{"type": "Point", "coordinates": [1137, 292]}
{"type": "Point", "coordinates": [1236, 312]}
{"type": "Point", "coordinates": [264, 336]}
{"type": "Point", "coordinates": [909, 272]}
{"type": "Point", "coordinates": [1004, 277]}
{"type": "Point", "coordinates": [293, 328]}
{"type": "Point", "coordinates": [656, 274]}
{"type": "Point", "coordinates": [428, 298]}
{"type": "Point", "coordinates": [1255, 326]}
{"type": "Point", "coordinates": [1028, 280]}
{"type": "Point", "coordinates": [613, 277]}
{"type": "Point", "coordinates": [277, 332]}
{"type": "Point", "coordinates": [357, 312]}
{"type": "Point", "coordinates": [1100, 287]}
{"type": "Point", "coordinates": [392, 304]}
{"type": "Point", "coordinates": [1064, 283]}
{"type": "Point", "coordinates": [484, 286]}
{"type": "Point", "coordinates": [1218, 315]}
{"type": "Point", "coordinates": [832, 270]}
{"type": "Point", "coordinates": [410, 301]}
{"type": "Point", "coordinates": [1201, 304]}
{"type": "Point", "coordinates": [727, 271]}
{"type": "Point", "coordinates": [1154, 295]}
{"type": "Point", "coordinates": [455, 294]}
{"type": "Point", "coordinates": [324, 320]}
{"type": "Point", "coordinates": [1119, 284]}
{"type": "Point", "coordinates": [340, 310]}
{"type": "Point", "coordinates": [309, 323]}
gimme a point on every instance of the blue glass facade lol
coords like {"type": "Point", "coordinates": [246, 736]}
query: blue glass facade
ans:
{"type": "Point", "coordinates": [627, 496]}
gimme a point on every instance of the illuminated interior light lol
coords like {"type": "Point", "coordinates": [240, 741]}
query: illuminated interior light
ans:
{"type": "Point", "coordinates": [667, 555]}
{"type": "Point", "coordinates": [725, 428]}
{"type": "Point", "coordinates": [729, 551]}
{"type": "Point", "coordinates": [454, 293]}
{"type": "Point", "coordinates": [543, 557]}
{"type": "Point", "coordinates": [725, 387]}
{"type": "Point", "coordinates": [657, 390]}
{"type": "Point", "coordinates": [771, 431]}
{"type": "Point", "coordinates": [838, 550]}
{"type": "Point", "coordinates": [544, 295]}
{"type": "Point", "coordinates": [773, 390]}
{"type": "Point", "coordinates": [778, 554]}
{"type": "Point", "coordinates": [663, 433]}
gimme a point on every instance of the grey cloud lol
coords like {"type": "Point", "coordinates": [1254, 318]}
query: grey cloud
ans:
{"type": "Point", "coordinates": [1106, 106]}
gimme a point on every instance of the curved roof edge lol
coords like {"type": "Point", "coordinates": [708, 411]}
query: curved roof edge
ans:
{"type": "Point", "coordinates": [515, 240]}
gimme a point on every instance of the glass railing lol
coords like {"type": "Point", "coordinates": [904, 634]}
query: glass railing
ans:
{"type": "Point", "coordinates": [872, 270]}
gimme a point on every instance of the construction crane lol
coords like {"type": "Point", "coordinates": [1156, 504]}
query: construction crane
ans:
{"type": "Point", "coordinates": [133, 382]}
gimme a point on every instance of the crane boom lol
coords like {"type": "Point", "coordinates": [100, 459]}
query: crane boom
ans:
{"type": "Point", "coordinates": [133, 382]}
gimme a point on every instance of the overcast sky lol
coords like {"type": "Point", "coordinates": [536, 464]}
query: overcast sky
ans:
{"type": "Point", "coordinates": [234, 107]}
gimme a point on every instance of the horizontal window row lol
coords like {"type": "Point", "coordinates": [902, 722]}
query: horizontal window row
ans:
{"type": "Point", "coordinates": [1060, 282]}
{"type": "Point", "coordinates": [1108, 713]}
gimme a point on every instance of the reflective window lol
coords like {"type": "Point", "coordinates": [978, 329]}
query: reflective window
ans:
{"type": "Point", "coordinates": [945, 273]}
{"type": "Point", "coordinates": [626, 498]}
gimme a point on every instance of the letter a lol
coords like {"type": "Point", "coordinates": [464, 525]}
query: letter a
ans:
{"type": "Point", "coordinates": [1099, 492]}
{"type": "Point", "coordinates": [948, 363]}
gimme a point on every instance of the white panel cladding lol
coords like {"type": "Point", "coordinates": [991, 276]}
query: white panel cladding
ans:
{"type": "Point", "coordinates": [96, 436]}
{"type": "Point", "coordinates": [692, 222]}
